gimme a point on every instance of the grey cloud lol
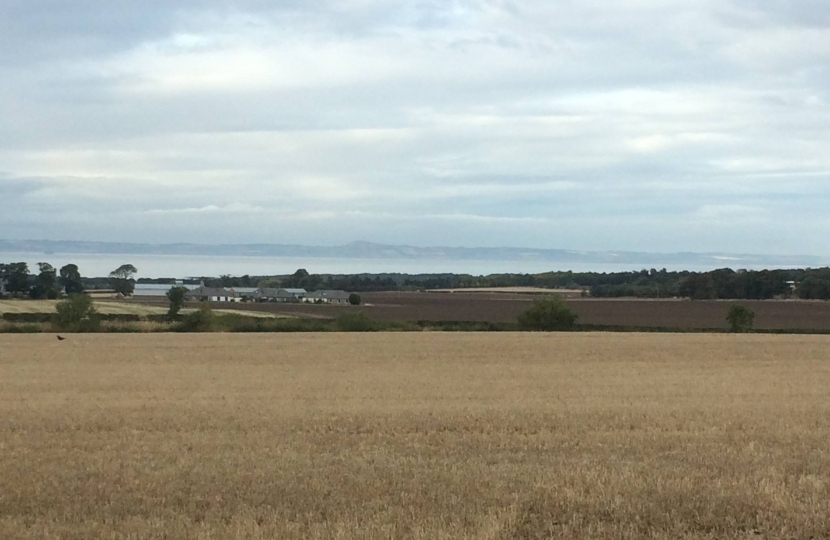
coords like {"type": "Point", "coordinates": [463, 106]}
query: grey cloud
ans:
{"type": "Point", "coordinates": [808, 13]}
{"type": "Point", "coordinates": [594, 125]}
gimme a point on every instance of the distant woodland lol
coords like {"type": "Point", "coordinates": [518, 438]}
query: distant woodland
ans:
{"type": "Point", "coordinates": [17, 280]}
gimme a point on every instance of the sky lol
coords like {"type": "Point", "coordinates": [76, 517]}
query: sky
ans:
{"type": "Point", "coordinates": [644, 125]}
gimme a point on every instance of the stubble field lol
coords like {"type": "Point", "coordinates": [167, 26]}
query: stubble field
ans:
{"type": "Point", "coordinates": [414, 435]}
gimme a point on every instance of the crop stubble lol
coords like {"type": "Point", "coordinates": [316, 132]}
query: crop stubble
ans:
{"type": "Point", "coordinates": [424, 435]}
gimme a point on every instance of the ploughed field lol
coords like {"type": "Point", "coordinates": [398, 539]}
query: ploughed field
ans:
{"type": "Point", "coordinates": [414, 435]}
{"type": "Point", "coordinates": [505, 308]}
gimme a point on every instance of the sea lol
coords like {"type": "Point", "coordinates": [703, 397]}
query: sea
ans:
{"type": "Point", "coordinates": [187, 266]}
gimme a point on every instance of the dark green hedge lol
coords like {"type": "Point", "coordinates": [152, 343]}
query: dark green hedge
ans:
{"type": "Point", "coordinates": [28, 317]}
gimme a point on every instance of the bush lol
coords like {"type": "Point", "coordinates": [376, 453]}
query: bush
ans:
{"type": "Point", "coordinates": [120, 328]}
{"type": "Point", "coordinates": [255, 324]}
{"type": "Point", "coordinates": [740, 318]}
{"type": "Point", "coordinates": [358, 322]}
{"type": "Point", "coordinates": [8, 328]}
{"type": "Point", "coordinates": [466, 326]}
{"type": "Point", "coordinates": [120, 317]}
{"type": "Point", "coordinates": [361, 322]}
{"type": "Point", "coordinates": [354, 299]}
{"type": "Point", "coordinates": [76, 314]}
{"type": "Point", "coordinates": [548, 315]}
{"type": "Point", "coordinates": [202, 320]}
{"type": "Point", "coordinates": [28, 317]}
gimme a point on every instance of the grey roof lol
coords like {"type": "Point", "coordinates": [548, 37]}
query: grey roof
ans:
{"type": "Point", "coordinates": [294, 291]}
{"type": "Point", "coordinates": [210, 291]}
{"type": "Point", "coordinates": [265, 292]}
{"type": "Point", "coordinates": [152, 289]}
{"type": "Point", "coordinates": [279, 293]}
{"type": "Point", "coordinates": [245, 290]}
{"type": "Point", "coordinates": [334, 295]}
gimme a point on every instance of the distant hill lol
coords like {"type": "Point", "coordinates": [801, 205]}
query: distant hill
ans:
{"type": "Point", "coordinates": [369, 250]}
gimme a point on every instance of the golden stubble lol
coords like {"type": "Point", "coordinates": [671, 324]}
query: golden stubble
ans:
{"type": "Point", "coordinates": [414, 435]}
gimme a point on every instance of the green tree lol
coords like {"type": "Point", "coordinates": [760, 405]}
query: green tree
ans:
{"type": "Point", "coordinates": [301, 279]}
{"type": "Point", "coordinates": [46, 282]}
{"type": "Point", "coordinates": [814, 288]}
{"type": "Point", "coordinates": [354, 299]}
{"type": "Point", "coordinates": [698, 287]}
{"type": "Point", "coordinates": [176, 297]}
{"type": "Point", "coordinates": [740, 318]}
{"type": "Point", "coordinates": [76, 314]}
{"type": "Point", "coordinates": [70, 279]}
{"type": "Point", "coordinates": [549, 314]}
{"type": "Point", "coordinates": [202, 320]}
{"type": "Point", "coordinates": [122, 279]}
{"type": "Point", "coordinates": [16, 277]}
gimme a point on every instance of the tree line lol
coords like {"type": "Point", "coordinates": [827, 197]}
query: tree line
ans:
{"type": "Point", "coordinates": [50, 282]}
{"type": "Point", "coordinates": [723, 284]}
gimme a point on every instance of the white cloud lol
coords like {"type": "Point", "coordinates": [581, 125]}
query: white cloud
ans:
{"type": "Point", "coordinates": [233, 208]}
{"type": "Point", "coordinates": [474, 121]}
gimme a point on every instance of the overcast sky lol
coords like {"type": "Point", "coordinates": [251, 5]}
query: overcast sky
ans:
{"type": "Point", "coordinates": [654, 125]}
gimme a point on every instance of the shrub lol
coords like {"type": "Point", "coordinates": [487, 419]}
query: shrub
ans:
{"type": "Point", "coordinates": [354, 299]}
{"type": "Point", "coordinates": [201, 320]}
{"type": "Point", "coordinates": [9, 328]}
{"type": "Point", "coordinates": [76, 314]}
{"type": "Point", "coordinates": [120, 317]}
{"type": "Point", "coordinates": [466, 326]}
{"type": "Point", "coordinates": [740, 318]}
{"type": "Point", "coordinates": [358, 322]}
{"type": "Point", "coordinates": [548, 315]}
{"type": "Point", "coordinates": [28, 317]}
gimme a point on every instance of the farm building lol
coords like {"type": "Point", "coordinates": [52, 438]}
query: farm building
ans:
{"type": "Point", "coordinates": [210, 294]}
{"type": "Point", "coordinates": [265, 294]}
{"type": "Point", "coordinates": [246, 292]}
{"type": "Point", "coordinates": [152, 289]}
{"type": "Point", "coordinates": [328, 297]}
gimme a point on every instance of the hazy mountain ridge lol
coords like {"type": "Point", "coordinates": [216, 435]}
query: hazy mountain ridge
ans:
{"type": "Point", "coordinates": [369, 250]}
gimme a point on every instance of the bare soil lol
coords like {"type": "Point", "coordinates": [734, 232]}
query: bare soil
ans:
{"type": "Point", "coordinates": [505, 308]}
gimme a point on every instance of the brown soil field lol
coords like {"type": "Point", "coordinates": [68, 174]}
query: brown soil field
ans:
{"type": "Point", "coordinates": [565, 293]}
{"type": "Point", "coordinates": [500, 307]}
{"type": "Point", "coordinates": [491, 436]}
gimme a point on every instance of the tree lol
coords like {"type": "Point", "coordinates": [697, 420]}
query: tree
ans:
{"type": "Point", "coordinates": [71, 279]}
{"type": "Point", "coordinates": [698, 287]}
{"type": "Point", "coordinates": [202, 320]}
{"type": "Point", "coordinates": [354, 299]}
{"type": "Point", "coordinates": [122, 279]}
{"type": "Point", "coordinates": [76, 314]}
{"type": "Point", "coordinates": [548, 315]}
{"type": "Point", "coordinates": [46, 282]}
{"type": "Point", "coordinates": [740, 318]}
{"type": "Point", "coordinates": [16, 277]}
{"type": "Point", "coordinates": [176, 297]}
{"type": "Point", "coordinates": [301, 279]}
{"type": "Point", "coordinates": [814, 288]}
